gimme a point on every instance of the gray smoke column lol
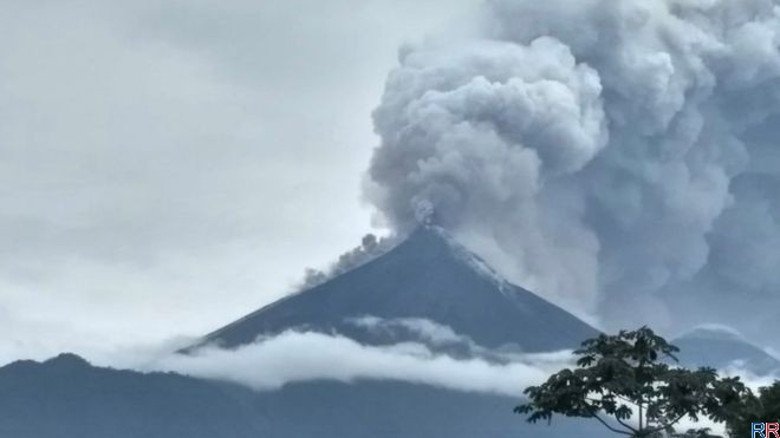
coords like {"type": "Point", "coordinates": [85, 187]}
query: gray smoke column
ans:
{"type": "Point", "coordinates": [612, 155]}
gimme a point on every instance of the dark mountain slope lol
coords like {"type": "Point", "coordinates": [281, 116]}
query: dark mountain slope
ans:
{"type": "Point", "coordinates": [426, 276]}
{"type": "Point", "coordinates": [67, 398]}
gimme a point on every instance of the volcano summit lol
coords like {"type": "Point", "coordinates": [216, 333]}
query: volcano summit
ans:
{"type": "Point", "coordinates": [427, 276]}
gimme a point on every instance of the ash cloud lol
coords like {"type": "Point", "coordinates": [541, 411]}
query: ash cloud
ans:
{"type": "Point", "coordinates": [370, 248]}
{"type": "Point", "coordinates": [619, 158]}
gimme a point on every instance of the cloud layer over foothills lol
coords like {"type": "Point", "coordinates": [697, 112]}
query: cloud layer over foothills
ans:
{"type": "Point", "coordinates": [296, 356]}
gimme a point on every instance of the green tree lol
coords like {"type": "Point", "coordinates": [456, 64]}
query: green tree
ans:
{"type": "Point", "coordinates": [630, 384]}
{"type": "Point", "coordinates": [762, 407]}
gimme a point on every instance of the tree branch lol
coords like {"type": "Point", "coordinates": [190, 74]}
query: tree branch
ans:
{"type": "Point", "coordinates": [634, 430]}
{"type": "Point", "coordinates": [596, 416]}
{"type": "Point", "coordinates": [627, 426]}
{"type": "Point", "coordinates": [666, 425]}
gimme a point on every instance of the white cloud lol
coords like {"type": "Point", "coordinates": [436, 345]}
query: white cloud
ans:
{"type": "Point", "coordinates": [295, 356]}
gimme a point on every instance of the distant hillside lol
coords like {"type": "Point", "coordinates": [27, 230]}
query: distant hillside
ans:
{"type": "Point", "coordinates": [65, 397]}
{"type": "Point", "coordinates": [720, 348]}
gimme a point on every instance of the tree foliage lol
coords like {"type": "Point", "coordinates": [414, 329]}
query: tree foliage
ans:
{"type": "Point", "coordinates": [630, 383]}
{"type": "Point", "coordinates": [762, 407]}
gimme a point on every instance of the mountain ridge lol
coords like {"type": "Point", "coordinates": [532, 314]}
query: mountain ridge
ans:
{"type": "Point", "coordinates": [66, 397]}
{"type": "Point", "coordinates": [429, 276]}
{"type": "Point", "coordinates": [722, 348]}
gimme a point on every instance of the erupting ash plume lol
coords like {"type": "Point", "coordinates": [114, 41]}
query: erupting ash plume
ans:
{"type": "Point", "coordinates": [610, 155]}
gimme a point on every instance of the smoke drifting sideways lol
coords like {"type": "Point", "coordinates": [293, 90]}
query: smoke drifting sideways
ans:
{"type": "Point", "coordinates": [619, 158]}
{"type": "Point", "coordinates": [370, 248]}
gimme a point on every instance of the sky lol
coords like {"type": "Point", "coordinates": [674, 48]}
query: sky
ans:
{"type": "Point", "coordinates": [166, 167]}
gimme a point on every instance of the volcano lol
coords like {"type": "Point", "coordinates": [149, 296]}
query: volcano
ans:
{"type": "Point", "coordinates": [427, 276]}
{"type": "Point", "coordinates": [721, 348]}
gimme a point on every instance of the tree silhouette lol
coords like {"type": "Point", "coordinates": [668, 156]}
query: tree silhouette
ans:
{"type": "Point", "coordinates": [764, 407]}
{"type": "Point", "coordinates": [631, 385]}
